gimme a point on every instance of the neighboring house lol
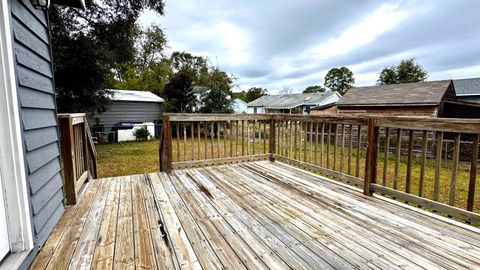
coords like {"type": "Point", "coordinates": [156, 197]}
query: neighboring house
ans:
{"type": "Point", "coordinates": [431, 99]}
{"type": "Point", "coordinates": [239, 106]}
{"type": "Point", "coordinates": [127, 107]}
{"type": "Point", "coordinates": [467, 89]}
{"type": "Point", "coordinates": [31, 197]}
{"type": "Point", "coordinates": [292, 103]}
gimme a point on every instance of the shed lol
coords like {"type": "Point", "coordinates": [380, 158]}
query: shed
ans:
{"type": "Point", "coordinates": [467, 89]}
{"type": "Point", "coordinates": [406, 99]}
{"type": "Point", "coordinates": [292, 103]}
{"type": "Point", "coordinates": [329, 109]}
{"type": "Point", "coordinates": [128, 106]}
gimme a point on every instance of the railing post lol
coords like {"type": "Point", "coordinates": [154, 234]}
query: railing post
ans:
{"type": "Point", "coordinates": [165, 149]}
{"type": "Point", "coordinates": [271, 140]}
{"type": "Point", "coordinates": [68, 159]}
{"type": "Point", "coordinates": [372, 155]}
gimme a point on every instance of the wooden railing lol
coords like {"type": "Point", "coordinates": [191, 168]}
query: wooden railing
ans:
{"type": "Point", "coordinates": [79, 158]}
{"type": "Point", "coordinates": [401, 158]}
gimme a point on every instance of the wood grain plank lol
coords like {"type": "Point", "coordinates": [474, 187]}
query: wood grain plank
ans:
{"type": "Point", "coordinates": [62, 228]}
{"type": "Point", "coordinates": [124, 257]}
{"type": "Point", "coordinates": [177, 237]}
{"type": "Point", "coordinates": [161, 247]}
{"type": "Point", "coordinates": [104, 250]}
{"type": "Point", "coordinates": [64, 251]}
{"type": "Point", "coordinates": [144, 250]}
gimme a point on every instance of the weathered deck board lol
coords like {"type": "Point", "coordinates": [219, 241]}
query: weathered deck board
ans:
{"type": "Point", "coordinates": [257, 215]}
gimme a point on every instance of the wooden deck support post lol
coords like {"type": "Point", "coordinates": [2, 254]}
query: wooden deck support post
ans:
{"type": "Point", "coordinates": [372, 155]}
{"type": "Point", "coordinates": [271, 140]}
{"type": "Point", "coordinates": [165, 147]}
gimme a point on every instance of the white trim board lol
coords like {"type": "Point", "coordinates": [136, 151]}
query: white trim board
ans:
{"type": "Point", "coordinates": [11, 146]}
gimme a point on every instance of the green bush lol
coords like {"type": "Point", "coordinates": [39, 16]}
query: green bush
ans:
{"type": "Point", "coordinates": [142, 133]}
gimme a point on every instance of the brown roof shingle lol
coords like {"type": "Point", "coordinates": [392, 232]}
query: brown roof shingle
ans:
{"type": "Point", "coordinates": [405, 94]}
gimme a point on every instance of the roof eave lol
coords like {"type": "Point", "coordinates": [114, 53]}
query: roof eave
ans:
{"type": "Point", "coordinates": [389, 105]}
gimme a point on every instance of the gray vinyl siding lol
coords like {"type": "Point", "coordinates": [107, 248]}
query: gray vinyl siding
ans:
{"type": "Point", "coordinates": [35, 86]}
{"type": "Point", "coordinates": [127, 111]}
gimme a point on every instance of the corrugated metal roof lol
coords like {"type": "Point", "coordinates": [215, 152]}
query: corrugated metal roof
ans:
{"type": "Point", "coordinates": [132, 95]}
{"type": "Point", "coordinates": [467, 87]}
{"type": "Point", "coordinates": [405, 94]}
{"type": "Point", "coordinates": [288, 101]}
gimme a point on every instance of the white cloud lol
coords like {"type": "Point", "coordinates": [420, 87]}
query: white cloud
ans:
{"type": "Point", "coordinates": [294, 43]}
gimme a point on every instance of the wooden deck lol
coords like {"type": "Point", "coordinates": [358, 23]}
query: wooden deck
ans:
{"type": "Point", "coordinates": [255, 215]}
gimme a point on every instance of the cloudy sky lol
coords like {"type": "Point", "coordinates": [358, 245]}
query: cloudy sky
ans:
{"type": "Point", "coordinates": [275, 44]}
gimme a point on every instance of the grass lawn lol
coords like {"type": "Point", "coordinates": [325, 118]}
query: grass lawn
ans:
{"type": "Point", "coordinates": [142, 157]}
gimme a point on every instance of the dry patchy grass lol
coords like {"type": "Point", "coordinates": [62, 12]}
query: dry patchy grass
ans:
{"type": "Point", "coordinates": [142, 157]}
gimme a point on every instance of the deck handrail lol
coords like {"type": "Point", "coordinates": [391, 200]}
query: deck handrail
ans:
{"type": "Point", "coordinates": [78, 154]}
{"type": "Point", "coordinates": [358, 150]}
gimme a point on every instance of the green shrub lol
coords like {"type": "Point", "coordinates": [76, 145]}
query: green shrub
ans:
{"type": "Point", "coordinates": [142, 133]}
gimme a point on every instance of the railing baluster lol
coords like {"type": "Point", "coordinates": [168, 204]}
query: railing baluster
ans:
{"type": "Point", "coordinates": [264, 137]}
{"type": "Point", "coordinates": [218, 139]}
{"type": "Point", "coordinates": [271, 140]}
{"type": "Point", "coordinates": [184, 140]}
{"type": "Point", "coordinates": [342, 143]}
{"type": "Point", "coordinates": [177, 127]}
{"type": "Point", "coordinates": [397, 158]}
{"type": "Point", "coordinates": [322, 144]}
{"type": "Point", "coordinates": [305, 139]}
{"type": "Point", "coordinates": [224, 139]}
{"type": "Point", "coordinates": [230, 137]}
{"type": "Point", "coordinates": [422, 165]}
{"type": "Point", "coordinates": [359, 141]}
{"type": "Point", "coordinates": [438, 165]}
{"type": "Point", "coordinates": [311, 142]}
{"type": "Point", "coordinates": [300, 139]}
{"type": "Point", "coordinates": [335, 133]}
{"type": "Point", "coordinates": [328, 144]}
{"type": "Point", "coordinates": [243, 137]}
{"type": "Point", "coordinates": [455, 159]}
{"type": "Point", "coordinates": [193, 140]}
{"type": "Point", "coordinates": [350, 143]}
{"type": "Point", "coordinates": [199, 154]}
{"type": "Point", "coordinates": [248, 137]}
{"type": "Point", "coordinates": [205, 131]}
{"type": "Point", "coordinates": [212, 133]}
{"type": "Point", "coordinates": [254, 135]}
{"type": "Point", "coordinates": [316, 143]}
{"type": "Point", "coordinates": [473, 174]}
{"type": "Point", "coordinates": [409, 162]}
{"type": "Point", "coordinates": [236, 138]}
{"type": "Point", "coordinates": [295, 141]}
{"type": "Point", "coordinates": [385, 156]}
{"type": "Point", "coordinates": [290, 154]}
{"type": "Point", "coordinates": [285, 137]}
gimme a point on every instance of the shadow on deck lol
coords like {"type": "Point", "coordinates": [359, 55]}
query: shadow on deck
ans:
{"type": "Point", "coordinates": [255, 215]}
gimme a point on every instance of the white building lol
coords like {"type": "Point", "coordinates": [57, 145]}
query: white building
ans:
{"type": "Point", "coordinates": [239, 106]}
{"type": "Point", "coordinates": [292, 103]}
